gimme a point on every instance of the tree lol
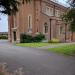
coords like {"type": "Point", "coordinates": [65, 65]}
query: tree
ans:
{"type": "Point", "coordinates": [69, 17]}
{"type": "Point", "coordinates": [72, 2]}
{"type": "Point", "coordinates": [10, 6]}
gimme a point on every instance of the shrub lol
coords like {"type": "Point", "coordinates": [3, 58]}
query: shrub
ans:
{"type": "Point", "coordinates": [39, 37]}
{"type": "Point", "coordinates": [3, 37]}
{"type": "Point", "coordinates": [54, 41]}
{"type": "Point", "coordinates": [26, 38]}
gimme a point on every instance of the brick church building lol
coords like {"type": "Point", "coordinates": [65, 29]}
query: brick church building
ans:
{"type": "Point", "coordinates": [39, 16]}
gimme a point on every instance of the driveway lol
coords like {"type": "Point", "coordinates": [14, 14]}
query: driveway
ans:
{"type": "Point", "coordinates": [36, 61]}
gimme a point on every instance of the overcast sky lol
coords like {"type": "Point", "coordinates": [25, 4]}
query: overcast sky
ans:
{"type": "Point", "coordinates": [4, 21]}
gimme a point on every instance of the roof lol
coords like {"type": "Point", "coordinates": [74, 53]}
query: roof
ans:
{"type": "Point", "coordinates": [57, 4]}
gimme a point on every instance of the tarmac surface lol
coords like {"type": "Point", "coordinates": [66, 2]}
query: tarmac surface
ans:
{"type": "Point", "coordinates": [36, 61]}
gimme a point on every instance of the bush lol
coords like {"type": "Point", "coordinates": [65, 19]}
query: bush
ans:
{"type": "Point", "coordinates": [54, 41]}
{"type": "Point", "coordinates": [39, 38]}
{"type": "Point", "coordinates": [26, 38]}
{"type": "Point", "coordinates": [3, 37]}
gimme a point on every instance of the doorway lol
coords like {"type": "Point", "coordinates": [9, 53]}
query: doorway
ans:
{"type": "Point", "coordinates": [14, 34]}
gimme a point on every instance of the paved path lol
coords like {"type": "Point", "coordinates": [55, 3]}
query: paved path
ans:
{"type": "Point", "coordinates": [36, 61]}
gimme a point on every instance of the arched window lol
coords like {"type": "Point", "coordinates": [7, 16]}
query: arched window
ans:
{"type": "Point", "coordinates": [45, 28]}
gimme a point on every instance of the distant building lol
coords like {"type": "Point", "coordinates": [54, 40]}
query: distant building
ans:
{"type": "Point", "coordinates": [39, 16]}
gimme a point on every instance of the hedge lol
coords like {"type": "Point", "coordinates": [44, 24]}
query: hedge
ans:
{"type": "Point", "coordinates": [26, 38]}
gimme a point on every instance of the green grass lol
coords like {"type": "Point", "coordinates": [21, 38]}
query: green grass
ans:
{"type": "Point", "coordinates": [33, 44]}
{"type": "Point", "coordinates": [67, 49]}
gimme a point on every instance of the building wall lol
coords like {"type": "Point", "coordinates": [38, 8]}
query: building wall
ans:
{"type": "Point", "coordinates": [10, 26]}
{"type": "Point", "coordinates": [19, 23]}
{"type": "Point", "coordinates": [53, 12]}
{"type": "Point", "coordinates": [41, 11]}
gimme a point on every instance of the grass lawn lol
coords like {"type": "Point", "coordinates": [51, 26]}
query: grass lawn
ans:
{"type": "Point", "coordinates": [67, 49]}
{"type": "Point", "coordinates": [33, 44]}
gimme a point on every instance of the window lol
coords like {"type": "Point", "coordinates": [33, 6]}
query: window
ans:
{"type": "Point", "coordinates": [45, 28]}
{"type": "Point", "coordinates": [30, 23]}
{"type": "Point", "coordinates": [43, 8]}
{"type": "Point", "coordinates": [47, 10]}
{"type": "Point", "coordinates": [51, 11]}
{"type": "Point", "coordinates": [57, 13]}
